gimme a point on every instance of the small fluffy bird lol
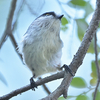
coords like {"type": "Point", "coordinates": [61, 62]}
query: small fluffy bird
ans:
{"type": "Point", "coordinates": [41, 46]}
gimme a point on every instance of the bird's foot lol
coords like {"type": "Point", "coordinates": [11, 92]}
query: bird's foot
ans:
{"type": "Point", "coordinates": [67, 69]}
{"type": "Point", "coordinates": [33, 84]}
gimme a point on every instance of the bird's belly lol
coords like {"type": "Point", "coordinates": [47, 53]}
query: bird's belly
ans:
{"type": "Point", "coordinates": [39, 60]}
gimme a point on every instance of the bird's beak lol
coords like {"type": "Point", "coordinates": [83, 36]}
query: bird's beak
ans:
{"type": "Point", "coordinates": [59, 17]}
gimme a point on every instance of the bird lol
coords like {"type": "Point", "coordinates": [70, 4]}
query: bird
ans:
{"type": "Point", "coordinates": [41, 45]}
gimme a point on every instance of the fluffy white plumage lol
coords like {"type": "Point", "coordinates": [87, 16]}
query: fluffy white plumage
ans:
{"type": "Point", "coordinates": [41, 46]}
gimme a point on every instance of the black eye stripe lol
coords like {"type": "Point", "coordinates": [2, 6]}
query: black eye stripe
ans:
{"type": "Point", "coordinates": [47, 14]}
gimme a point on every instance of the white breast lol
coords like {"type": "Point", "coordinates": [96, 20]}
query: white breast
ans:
{"type": "Point", "coordinates": [42, 47]}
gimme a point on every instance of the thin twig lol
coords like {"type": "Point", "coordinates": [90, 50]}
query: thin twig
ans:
{"type": "Point", "coordinates": [9, 23]}
{"type": "Point", "coordinates": [12, 38]}
{"type": "Point", "coordinates": [8, 30]}
{"type": "Point", "coordinates": [97, 66]}
{"type": "Point", "coordinates": [17, 15]}
{"type": "Point", "coordinates": [15, 45]}
{"type": "Point", "coordinates": [45, 87]}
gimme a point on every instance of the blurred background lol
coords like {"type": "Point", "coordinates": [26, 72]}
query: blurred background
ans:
{"type": "Point", "coordinates": [14, 74]}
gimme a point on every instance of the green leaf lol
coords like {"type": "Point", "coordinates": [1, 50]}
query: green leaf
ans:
{"type": "Point", "coordinates": [64, 21]}
{"type": "Point", "coordinates": [64, 28]}
{"type": "Point", "coordinates": [61, 98]}
{"type": "Point", "coordinates": [68, 97]}
{"type": "Point", "coordinates": [94, 70]}
{"type": "Point", "coordinates": [99, 25]}
{"type": "Point", "coordinates": [78, 2]}
{"type": "Point", "coordinates": [91, 48]}
{"type": "Point", "coordinates": [93, 81]}
{"type": "Point", "coordinates": [82, 97]}
{"type": "Point", "coordinates": [99, 62]}
{"type": "Point", "coordinates": [78, 82]}
{"type": "Point", "coordinates": [82, 26]}
{"type": "Point", "coordinates": [97, 95]}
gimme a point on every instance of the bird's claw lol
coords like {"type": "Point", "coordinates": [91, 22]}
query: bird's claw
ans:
{"type": "Point", "coordinates": [67, 69]}
{"type": "Point", "coordinates": [33, 84]}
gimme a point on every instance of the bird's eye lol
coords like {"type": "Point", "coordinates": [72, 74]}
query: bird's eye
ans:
{"type": "Point", "coordinates": [47, 14]}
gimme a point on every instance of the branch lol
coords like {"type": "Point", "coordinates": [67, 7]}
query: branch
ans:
{"type": "Point", "coordinates": [8, 30]}
{"type": "Point", "coordinates": [46, 89]}
{"type": "Point", "coordinates": [12, 38]}
{"type": "Point", "coordinates": [28, 87]}
{"type": "Point", "coordinates": [97, 66]}
{"type": "Point", "coordinates": [9, 23]}
{"type": "Point", "coordinates": [78, 58]}
{"type": "Point", "coordinates": [19, 8]}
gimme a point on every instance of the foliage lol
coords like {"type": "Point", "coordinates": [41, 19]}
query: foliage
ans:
{"type": "Point", "coordinates": [64, 23]}
{"type": "Point", "coordinates": [82, 25]}
{"type": "Point", "coordinates": [78, 2]}
{"type": "Point", "coordinates": [78, 82]}
{"type": "Point", "coordinates": [98, 95]}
